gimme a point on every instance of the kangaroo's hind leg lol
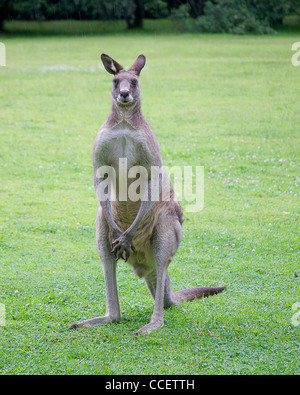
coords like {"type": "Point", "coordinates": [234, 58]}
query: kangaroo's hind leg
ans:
{"type": "Point", "coordinates": [169, 297]}
{"type": "Point", "coordinates": [166, 239]}
{"type": "Point", "coordinates": [109, 268]}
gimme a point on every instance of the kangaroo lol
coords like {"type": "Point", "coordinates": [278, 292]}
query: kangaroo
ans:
{"type": "Point", "coordinates": [146, 232]}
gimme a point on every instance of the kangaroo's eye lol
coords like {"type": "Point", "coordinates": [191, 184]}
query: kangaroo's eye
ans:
{"type": "Point", "coordinates": [134, 82]}
{"type": "Point", "coordinates": [116, 83]}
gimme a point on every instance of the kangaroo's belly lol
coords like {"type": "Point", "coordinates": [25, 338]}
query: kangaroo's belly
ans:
{"type": "Point", "coordinates": [123, 149]}
{"type": "Point", "coordinates": [124, 213]}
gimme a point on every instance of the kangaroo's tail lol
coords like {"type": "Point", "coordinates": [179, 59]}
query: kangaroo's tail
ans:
{"type": "Point", "coordinates": [195, 293]}
{"type": "Point", "coordinates": [173, 298]}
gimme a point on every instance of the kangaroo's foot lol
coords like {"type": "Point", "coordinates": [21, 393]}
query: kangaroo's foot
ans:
{"type": "Point", "coordinates": [152, 326]}
{"type": "Point", "coordinates": [95, 321]}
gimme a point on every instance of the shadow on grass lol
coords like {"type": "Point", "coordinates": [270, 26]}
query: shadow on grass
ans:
{"type": "Point", "coordinates": [84, 28]}
{"type": "Point", "coordinates": [291, 25]}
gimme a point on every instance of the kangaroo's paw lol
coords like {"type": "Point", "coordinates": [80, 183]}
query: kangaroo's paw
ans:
{"type": "Point", "coordinates": [94, 321]}
{"type": "Point", "coordinates": [152, 326]}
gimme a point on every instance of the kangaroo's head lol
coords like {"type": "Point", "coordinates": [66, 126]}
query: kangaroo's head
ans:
{"type": "Point", "coordinates": [125, 89]}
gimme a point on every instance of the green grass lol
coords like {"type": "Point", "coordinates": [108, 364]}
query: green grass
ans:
{"type": "Point", "coordinates": [228, 103]}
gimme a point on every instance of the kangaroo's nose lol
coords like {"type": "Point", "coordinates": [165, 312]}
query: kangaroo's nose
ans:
{"type": "Point", "coordinates": [124, 94]}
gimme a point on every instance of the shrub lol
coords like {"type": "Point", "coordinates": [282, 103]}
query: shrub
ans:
{"type": "Point", "coordinates": [232, 16]}
{"type": "Point", "coordinates": [156, 9]}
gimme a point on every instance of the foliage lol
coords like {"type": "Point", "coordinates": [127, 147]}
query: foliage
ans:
{"type": "Point", "coordinates": [295, 6]}
{"type": "Point", "coordinates": [156, 9]}
{"type": "Point", "coordinates": [271, 11]}
{"type": "Point", "coordinates": [238, 17]}
{"type": "Point", "coordinates": [234, 16]}
{"type": "Point", "coordinates": [83, 9]}
{"type": "Point", "coordinates": [3, 12]}
{"type": "Point", "coordinates": [65, 9]}
{"type": "Point", "coordinates": [132, 11]}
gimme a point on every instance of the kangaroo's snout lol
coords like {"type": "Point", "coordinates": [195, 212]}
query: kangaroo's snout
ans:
{"type": "Point", "coordinates": [124, 94]}
{"type": "Point", "coordinates": [124, 97]}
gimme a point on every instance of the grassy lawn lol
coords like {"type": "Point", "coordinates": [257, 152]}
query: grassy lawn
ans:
{"type": "Point", "coordinates": [228, 103]}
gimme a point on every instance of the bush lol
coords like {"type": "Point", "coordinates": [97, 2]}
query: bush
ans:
{"type": "Point", "coordinates": [272, 11]}
{"type": "Point", "coordinates": [65, 9]}
{"type": "Point", "coordinates": [156, 9]}
{"type": "Point", "coordinates": [182, 19]}
{"type": "Point", "coordinates": [232, 16]}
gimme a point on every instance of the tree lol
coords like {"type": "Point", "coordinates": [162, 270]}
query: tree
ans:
{"type": "Point", "coordinates": [235, 16]}
{"type": "Point", "coordinates": [197, 7]}
{"type": "Point", "coordinates": [4, 7]}
{"type": "Point", "coordinates": [135, 11]}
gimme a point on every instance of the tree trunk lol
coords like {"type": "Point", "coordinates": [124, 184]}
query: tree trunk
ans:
{"type": "Point", "coordinates": [136, 19]}
{"type": "Point", "coordinates": [3, 13]}
{"type": "Point", "coordinates": [197, 8]}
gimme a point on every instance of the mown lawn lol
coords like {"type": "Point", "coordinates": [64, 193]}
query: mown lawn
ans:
{"type": "Point", "coordinates": [228, 103]}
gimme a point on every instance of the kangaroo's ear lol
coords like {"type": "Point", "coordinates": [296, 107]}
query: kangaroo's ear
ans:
{"type": "Point", "coordinates": [110, 64]}
{"type": "Point", "coordinates": [138, 65]}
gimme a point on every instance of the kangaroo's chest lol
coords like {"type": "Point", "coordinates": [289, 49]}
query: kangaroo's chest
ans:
{"type": "Point", "coordinates": [121, 145]}
{"type": "Point", "coordinates": [125, 148]}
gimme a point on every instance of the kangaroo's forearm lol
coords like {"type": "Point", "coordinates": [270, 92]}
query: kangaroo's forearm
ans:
{"type": "Point", "coordinates": [143, 210]}
{"type": "Point", "coordinates": [106, 207]}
